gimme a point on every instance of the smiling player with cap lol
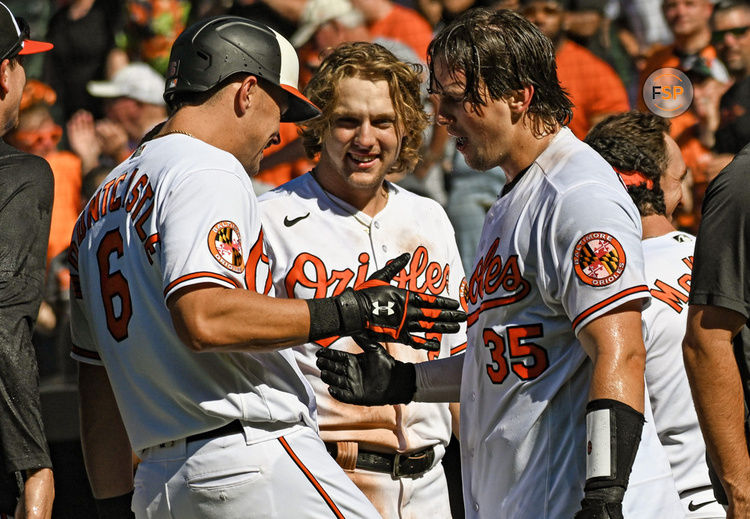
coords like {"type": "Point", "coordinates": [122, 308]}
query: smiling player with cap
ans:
{"type": "Point", "coordinates": [181, 349]}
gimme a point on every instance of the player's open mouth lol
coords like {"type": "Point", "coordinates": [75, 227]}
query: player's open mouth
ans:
{"type": "Point", "coordinates": [363, 160]}
{"type": "Point", "coordinates": [460, 143]}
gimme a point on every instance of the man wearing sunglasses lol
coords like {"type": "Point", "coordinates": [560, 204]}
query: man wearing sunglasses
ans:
{"type": "Point", "coordinates": [26, 188]}
{"type": "Point", "coordinates": [731, 37]}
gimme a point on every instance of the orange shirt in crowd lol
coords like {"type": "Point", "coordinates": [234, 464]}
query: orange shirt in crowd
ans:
{"type": "Point", "coordinates": [66, 168]}
{"type": "Point", "coordinates": [593, 86]}
{"type": "Point", "coordinates": [285, 172]}
{"type": "Point", "coordinates": [407, 26]}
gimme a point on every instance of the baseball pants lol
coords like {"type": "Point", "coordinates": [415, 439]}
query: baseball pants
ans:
{"type": "Point", "coordinates": [227, 478]}
{"type": "Point", "coordinates": [422, 497]}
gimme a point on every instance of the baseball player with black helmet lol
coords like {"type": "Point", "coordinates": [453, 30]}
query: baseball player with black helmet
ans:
{"type": "Point", "coordinates": [181, 347]}
{"type": "Point", "coordinates": [372, 124]}
{"type": "Point", "coordinates": [552, 382]}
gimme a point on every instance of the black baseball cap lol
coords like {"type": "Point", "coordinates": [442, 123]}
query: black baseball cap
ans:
{"type": "Point", "coordinates": [214, 49]}
{"type": "Point", "coordinates": [14, 36]}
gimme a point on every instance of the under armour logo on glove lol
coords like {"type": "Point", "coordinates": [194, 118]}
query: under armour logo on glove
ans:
{"type": "Point", "coordinates": [388, 313]}
{"type": "Point", "coordinates": [376, 310]}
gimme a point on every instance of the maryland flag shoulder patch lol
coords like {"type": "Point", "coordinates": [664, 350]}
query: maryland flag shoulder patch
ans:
{"type": "Point", "coordinates": [598, 259]}
{"type": "Point", "coordinates": [225, 244]}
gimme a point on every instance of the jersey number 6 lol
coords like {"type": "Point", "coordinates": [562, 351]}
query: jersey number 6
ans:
{"type": "Point", "coordinates": [519, 349]}
{"type": "Point", "coordinates": [114, 285]}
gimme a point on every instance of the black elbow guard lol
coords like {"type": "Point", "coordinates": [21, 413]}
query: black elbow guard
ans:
{"type": "Point", "coordinates": [613, 432]}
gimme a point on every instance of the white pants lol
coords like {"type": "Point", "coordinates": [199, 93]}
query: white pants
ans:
{"type": "Point", "coordinates": [424, 497]}
{"type": "Point", "coordinates": [702, 505]}
{"type": "Point", "coordinates": [224, 478]}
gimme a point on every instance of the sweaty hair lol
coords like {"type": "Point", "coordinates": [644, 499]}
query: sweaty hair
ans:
{"type": "Point", "coordinates": [372, 62]}
{"type": "Point", "coordinates": [634, 141]}
{"type": "Point", "coordinates": [504, 52]}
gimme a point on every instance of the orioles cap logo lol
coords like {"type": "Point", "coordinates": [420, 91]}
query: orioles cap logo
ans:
{"type": "Point", "coordinates": [225, 245]}
{"type": "Point", "coordinates": [598, 259]}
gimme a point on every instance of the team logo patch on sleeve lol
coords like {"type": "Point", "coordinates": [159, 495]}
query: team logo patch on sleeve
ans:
{"type": "Point", "coordinates": [598, 259]}
{"type": "Point", "coordinates": [225, 245]}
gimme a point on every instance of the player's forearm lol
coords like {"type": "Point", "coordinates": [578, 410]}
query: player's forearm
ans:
{"type": "Point", "coordinates": [615, 344]}
{"type": "Point", "coordinates": [38, 494]}
{"type": "Point", "coordinates": [717, 393]}
{"type": "Point", "coordinates": [106, 449]}
{"type": "Point", "coordinates": [216, 319]}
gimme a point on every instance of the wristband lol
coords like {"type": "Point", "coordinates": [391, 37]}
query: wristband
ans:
{"type": "Point", "coordinates": [115, 507]}
{"type": "Point", "coordinates": [324, 318]}
{"type": "Point", "coordinates": [613, 432]}
{"type": "Point", "coordinates": [330, 316]}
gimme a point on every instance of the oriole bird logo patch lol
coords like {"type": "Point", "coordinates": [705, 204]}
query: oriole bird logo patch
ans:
{"type": "Point", "coordinates": [225, 244]}
{"type": "Point", "coordinates": [599, 259]}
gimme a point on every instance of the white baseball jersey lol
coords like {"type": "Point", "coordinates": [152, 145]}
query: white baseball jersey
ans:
{"type": "Point", "coordinates": [560, 249]}
{"type": "Point", "coordinates": [177, 213]}
{"type": "Point", "coordinates": [669, 261]}
{"type": "Point", "coordinates": [318, 245]}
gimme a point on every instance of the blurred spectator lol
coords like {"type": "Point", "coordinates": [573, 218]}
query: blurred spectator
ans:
{"type": "Point", "coordinates": [37, 13]}
{"type": "Point", "coordinates": [133, 105]}
{"type": "Point", "coordinates": [591, 24]}
{"type": "Point", "coordinates": [150, 29]}
{"type": "Point", "coordinates": [284, 21]}
{"type": "Point", "coordinates": [387, 19]}
{"type": "Point", "coordinates": [646, 20]}
{"type": "Point", "coordinates": [731, 32]}
{"type": "Point", "coordinates": [689, 22]}
{"type": "Point", "coordinates": [83, 33]}
{"type": "Point", "coordinates": [592, 85]}
{"type": "Point", "coordinates": [38, 134]}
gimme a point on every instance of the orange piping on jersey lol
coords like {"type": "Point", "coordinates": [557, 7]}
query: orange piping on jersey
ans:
{"type": "Point", "coordinates": [195, 275]}
{"type": "Point", "coordinates": [311, 478]}
{"type": "Point", "coordinates": [85, 353]}
{"type": "Point", "coordinates": [458, 349]}
{"type": "Point", "coordinates": [628, 291]}
{"type": "Point", "coordinates": [500, 301]}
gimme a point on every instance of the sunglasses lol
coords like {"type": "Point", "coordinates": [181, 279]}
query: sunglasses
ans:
{"type": "Point", "coordinates": [737, 32]}
{"type": "Point", "coordinates": [32, 138]}
{"type": "Point", "coordinates": [18, 46]}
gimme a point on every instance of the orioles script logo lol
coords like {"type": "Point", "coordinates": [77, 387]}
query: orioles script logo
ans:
{"type": "Point", "coordinates": [309, 271]}
{"type": "Point", "coordinates": [491, 275]}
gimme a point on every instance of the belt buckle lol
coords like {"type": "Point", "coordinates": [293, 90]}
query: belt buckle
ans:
{"type": "Point", "coordinates": [396, 471]}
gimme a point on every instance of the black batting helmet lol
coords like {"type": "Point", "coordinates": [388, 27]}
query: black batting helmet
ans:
{"type": "Point", "coordinates": [211, 50]}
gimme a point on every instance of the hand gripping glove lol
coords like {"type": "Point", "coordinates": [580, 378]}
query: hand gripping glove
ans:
{"type": "Point", "coordinates": [385, 312]}
{"type": "Point", "coordinates": [370, 378]}
{"type": "Point", "coordinates": [613, 432]}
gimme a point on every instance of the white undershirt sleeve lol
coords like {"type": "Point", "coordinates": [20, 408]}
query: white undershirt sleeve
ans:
{"type": "Point", "coordinates": [439, 380]}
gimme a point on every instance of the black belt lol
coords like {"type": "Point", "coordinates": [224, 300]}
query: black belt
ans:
{"type": "Point", "coordinates": [398, 465]}
{"type": "Point", "coordinates": [233, 427]}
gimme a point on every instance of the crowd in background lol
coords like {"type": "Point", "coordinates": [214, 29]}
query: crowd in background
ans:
{"type": "Point", "coordinates": [90, 100]}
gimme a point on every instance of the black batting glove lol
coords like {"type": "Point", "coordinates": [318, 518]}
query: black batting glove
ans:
{"type": "Point", "coordinates": [385, 312]}
{"type": "Point", "coordinates": [370, 378]}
